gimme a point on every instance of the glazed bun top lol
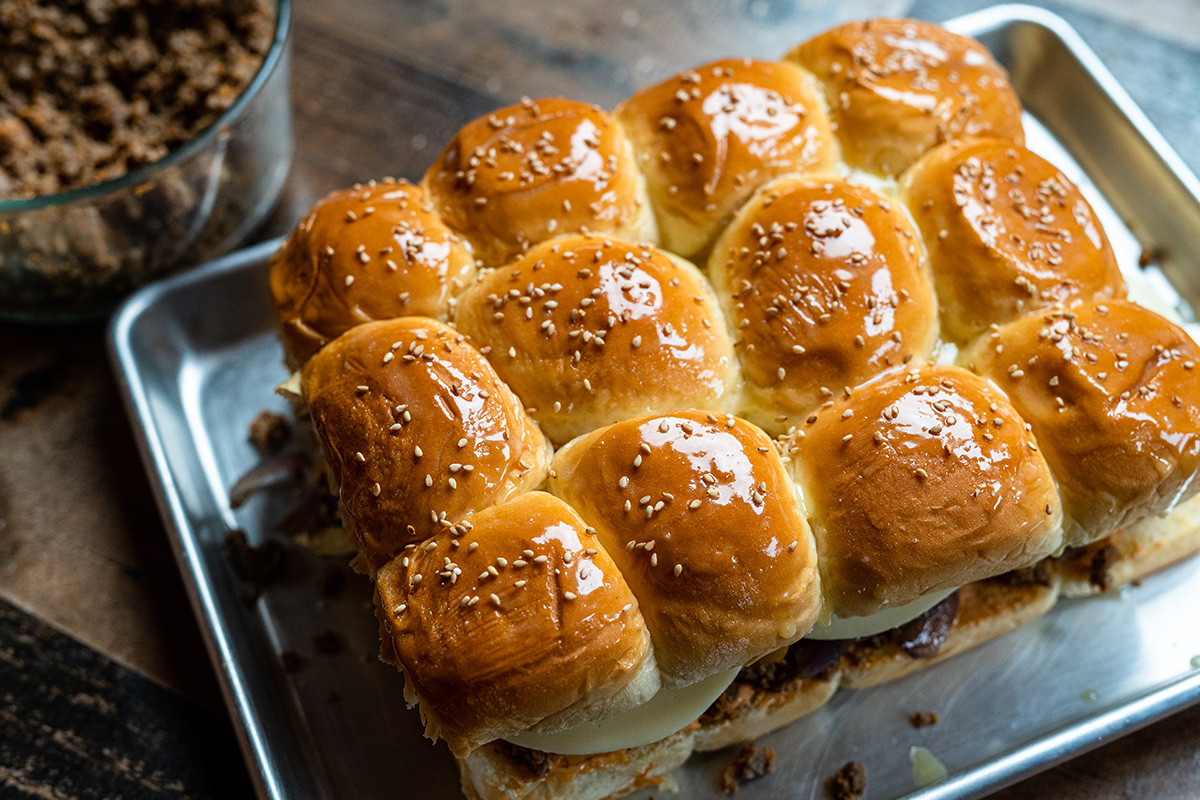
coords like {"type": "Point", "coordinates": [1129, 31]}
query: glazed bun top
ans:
{"type": "Point", "coordinates": [520, 620]}
{"type": "Point", "coordinates": [699, 514]}
{"type": "Point", "coordinates": [588, 331]}
{"type": "Point", "coordinates": [417, 430]}
{"type": "Point", "coordinates": [1008, 233]}
{"type": "Point", "coordinates": [375, 251]}
{"type": "Point", "coordinates": [540, 169]}
{"type": "Point", "coordinates": [824, 285]}
{"type": "Point", "coordinates": [1113, 394]}
{"type": "Point", "coordinates": [708, 137]}
{"type": "Point", "coordinates": [922, 481]}
{"type": "Point", "coordinates": [899, 87]}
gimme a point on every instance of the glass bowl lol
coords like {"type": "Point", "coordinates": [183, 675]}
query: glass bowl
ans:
{"type": "Point", "coordinates": [74, 255]}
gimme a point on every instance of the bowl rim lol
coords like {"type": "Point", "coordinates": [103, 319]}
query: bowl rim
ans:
{"type": "Point", "coordinates": [146, 172]}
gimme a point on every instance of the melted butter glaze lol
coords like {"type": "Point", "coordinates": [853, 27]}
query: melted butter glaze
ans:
{"type": "Point", "coordinates": [708, 137]}
{"type": "Point", "coordinates": [703, 521]}
{"type": "Point", "coordinates": [923, 481]}
{"type": "Point", "coordinates": [824, 285]}
{"type": "Point", "coordinates": [386, 390]}
{"type": "Point", "coordinates": [375, 251]}
{"type": "Point", "coordinates": [529, 172]}
{"type": "Point", "coordinates": [510, 621]}
{"type": "Point", "coordinates": [1008, 233]}
{"type": "Point", "coordinates": [589, 331]}
{"type": "Point", "coordinates": [1110, 394]}
{"type": "Point", "coordinates": [898, 87]}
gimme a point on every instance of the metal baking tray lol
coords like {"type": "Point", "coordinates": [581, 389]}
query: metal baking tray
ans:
{"type": "Point", "coordinates": [197, 359]}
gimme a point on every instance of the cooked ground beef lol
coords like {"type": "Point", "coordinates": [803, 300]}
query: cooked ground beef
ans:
{"type": "Point", "coordinates": [91, 89]}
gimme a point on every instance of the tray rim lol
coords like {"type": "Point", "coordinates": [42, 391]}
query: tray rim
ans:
{"type": "Point", "coordinates": [1034, 756]}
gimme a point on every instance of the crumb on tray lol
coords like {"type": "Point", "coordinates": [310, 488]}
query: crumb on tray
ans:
{"type": "Point", "coordinates": [752, 763]}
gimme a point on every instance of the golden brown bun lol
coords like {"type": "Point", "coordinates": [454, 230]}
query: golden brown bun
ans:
{"type": "Point", "coordinates": [530, 172]}
{"type": "Point", "coordinates": [417, 431]}
{"type": "Point", "coordinates": [708, 137]}
{"type": "Point", "coordinates": [705, 524]}
{"type": "Point", "coordinates": [589, 331]}
{"type": "Point", "coordinates": [824, 285]}
{"type": "Point", "coordinates": [1007, 234]}
{"type": "Point", "coordinates": [375, 251]}
{"type": "Point", "coordinates": [923, 481]}
{"type": "Point", "coordinates": [1111, 392]}
{"type": "Point", "coordinates": [521, 618]}
{"type": "Point", "coordinates": [898, 87]}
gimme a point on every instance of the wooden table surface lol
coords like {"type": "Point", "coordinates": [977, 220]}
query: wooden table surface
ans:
{"type": "Point", "coordinates": [105, 689]}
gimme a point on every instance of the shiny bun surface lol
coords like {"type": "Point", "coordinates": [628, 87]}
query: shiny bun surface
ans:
{"type": "Point", "coordinates": [824, 285]}
{"type": "Point", "coordinates": [921, 481]}
{"type": "Point", "coordinates": [699, 514]}
{"type": "Point", "coordinates": [708, 137]}
{"type": "Point", "coordinates": [375, 251]}
{"type": "Point", "coordinates": [517, 619]}
{"type": "Point", "coordinates": [1113, 394]}
{"type": "Point", "coordinates": [417, 430]}
{"type": "Point", "coordinates": [536, 170]}
{"type": "Point", "coordinates": [1008, 234]}
{"type": "Point", "coordinates": [589, 331]}
{"type": "Point", "coordinates": [899, 87]}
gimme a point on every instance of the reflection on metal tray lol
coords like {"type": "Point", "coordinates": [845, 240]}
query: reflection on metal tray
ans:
{"type": "Point", "coordinates": [198, 359]}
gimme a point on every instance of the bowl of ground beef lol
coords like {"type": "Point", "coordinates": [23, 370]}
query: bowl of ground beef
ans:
{"type": "Point", "coordinates": [137, 138]}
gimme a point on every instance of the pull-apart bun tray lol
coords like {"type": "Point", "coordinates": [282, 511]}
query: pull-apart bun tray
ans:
{"type": "Point", "coordinates": [197, 356]}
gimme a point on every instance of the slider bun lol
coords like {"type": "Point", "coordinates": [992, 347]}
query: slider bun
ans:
{"type": "Point", "coordinates": [588, 332]}
{"type": "Point", "coordinates": [824, 285]}
{"type": "Point", "coordinates": [703, 521]}
{"type": "Point", "coordinates": [898, 87]}
{"type": "Point", "coordinates": [1111, 392]}
{"type": "Point", "coordinates": [708, 137]}
{"type": "Point", "coordinates": [916, 485]}
{"type": "Point", "coordinates": [1008, 234]}
{"type": "Point", "coordinates": [384, 390]}
{"type": "Point", "coordinates": [529, 172]}
{"type": "Point", "coordinates": [520, 619]}
{"type": "Point", "coordinates": [375, 251]}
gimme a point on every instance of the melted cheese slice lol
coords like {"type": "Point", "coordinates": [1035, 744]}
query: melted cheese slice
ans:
{"type": "Point", "coordinates": [855, 627]}
{"type": "Point", "coordinates": [668, 711]}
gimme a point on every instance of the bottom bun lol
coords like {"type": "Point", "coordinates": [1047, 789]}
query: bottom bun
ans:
{"type": "Point", "coordinates": [1132, 553]}
{"type": "Point", "coordinates": [500, 771]}
{"type": "Point", "coordinates": [986, 609]}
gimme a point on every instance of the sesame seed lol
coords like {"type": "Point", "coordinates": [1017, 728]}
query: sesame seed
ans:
{"type": "Point", "coordinates": [494, 598]}
{"type": "Point", "coordinates": [627, 607]}
{"type": "Point", "coordinates": [792, 547]}
{"type": "Point", "coordinates": [569, 595]}
{"type": "Point", "coordinates": [540, 560]}
{"type": "Point", "coordinates": [678, 569]}
{"type": "Point", "coordinates": [376, 489]}
{"type": "Point", "coordinates": [922, 474]}
{"type": "Point", "coordinates": [848, 413]}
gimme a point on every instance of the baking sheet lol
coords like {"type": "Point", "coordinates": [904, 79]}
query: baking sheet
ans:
{"type": "Point", "coordinates": [197, 358]}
